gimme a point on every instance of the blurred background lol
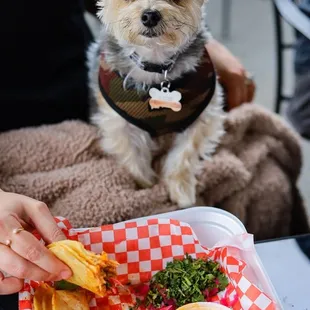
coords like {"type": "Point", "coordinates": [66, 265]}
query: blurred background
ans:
{"type": "Point", "coordinates": [248, 30]}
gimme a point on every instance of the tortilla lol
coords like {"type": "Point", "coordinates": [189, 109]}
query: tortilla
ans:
{"type": "Point", "coordinates": [43, 296]}
{"type": "Point", "coordinates": [47, 298]}
{"type": "Point", "coordinates": [65, 300]}
{"type": "Point", "coordinates": [89, 270]}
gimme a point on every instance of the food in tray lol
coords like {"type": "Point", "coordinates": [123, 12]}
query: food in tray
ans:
{"type": "Point", "coordinates": [203, 306]}
{"type": "Point", "coordinates": [48, 298]}
{"type": "Point", "coordinates": [89, 270]}
{"type": "Point", "coordinates": [182, 282]}
{"type": "Point", "coordinates": [77, 300]}
{"type": "Point", "coordinates": [187, 281]}
{"type": "Point", "coordinates": [43, 296]}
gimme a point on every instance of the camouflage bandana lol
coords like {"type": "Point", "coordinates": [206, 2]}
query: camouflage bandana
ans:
{"type": "Point", "coordinates": [197, 89]}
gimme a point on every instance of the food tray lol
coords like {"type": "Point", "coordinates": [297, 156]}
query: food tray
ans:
{"type": "Point", "coordinates": [143, 246]}
{"type": "Point", "coordinates": [213, 225]}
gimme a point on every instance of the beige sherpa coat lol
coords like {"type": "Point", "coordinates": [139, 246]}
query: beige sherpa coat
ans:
{"type": "Point", "coordinates": [253, 174]}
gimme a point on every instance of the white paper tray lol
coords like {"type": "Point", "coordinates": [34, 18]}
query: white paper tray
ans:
{"type": "Point", "coordinates": [212, 225]}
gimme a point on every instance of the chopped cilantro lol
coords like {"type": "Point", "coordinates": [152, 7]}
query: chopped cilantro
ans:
{"type": "Point", "coordinates": [185, 281]}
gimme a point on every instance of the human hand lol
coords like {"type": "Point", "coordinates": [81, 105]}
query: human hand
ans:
{"type": "Point", "coordinates": [22, 256]}
{"type": "Point", "coordinates": [239, 87]}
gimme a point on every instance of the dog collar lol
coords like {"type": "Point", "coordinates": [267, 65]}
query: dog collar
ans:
{"type": "Point", "coordinates": [197, 89]}
{"type": "Point", "coordinates": [151, 67]}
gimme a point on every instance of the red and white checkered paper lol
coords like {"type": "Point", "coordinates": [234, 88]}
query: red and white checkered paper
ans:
{"type": "Point", "coordinates": [145, 247]}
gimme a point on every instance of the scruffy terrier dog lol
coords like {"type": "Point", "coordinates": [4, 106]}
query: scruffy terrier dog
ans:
{"type": "Point", "coordinates": [150, 75]}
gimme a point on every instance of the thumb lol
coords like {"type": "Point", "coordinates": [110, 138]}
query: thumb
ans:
{"type": "Point", "coordinates": [10, 286]}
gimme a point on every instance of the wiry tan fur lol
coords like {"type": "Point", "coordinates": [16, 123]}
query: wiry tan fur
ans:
{"type": "Point", "coordinates": [131, 146]}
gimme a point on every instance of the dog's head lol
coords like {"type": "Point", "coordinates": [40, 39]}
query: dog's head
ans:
{"type": "Point", "coordinates": [170, 23]}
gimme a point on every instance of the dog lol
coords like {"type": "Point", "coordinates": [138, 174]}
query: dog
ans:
{"type": "Point", "coordinates": [156, 47]}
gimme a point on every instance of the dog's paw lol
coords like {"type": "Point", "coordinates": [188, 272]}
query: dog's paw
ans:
{"type": "Point", "coordinates": [182, 192]}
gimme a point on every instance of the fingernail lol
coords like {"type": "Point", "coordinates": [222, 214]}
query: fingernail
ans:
{"type": "Point", "coordinates": [66, 274]}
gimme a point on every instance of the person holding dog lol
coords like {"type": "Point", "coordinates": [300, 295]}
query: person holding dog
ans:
{"type": "Point", "coordinates": [44, 82]}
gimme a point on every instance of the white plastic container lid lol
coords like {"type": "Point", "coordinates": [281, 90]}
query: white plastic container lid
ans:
{"type": "Point", "coordinates": [210, 224]}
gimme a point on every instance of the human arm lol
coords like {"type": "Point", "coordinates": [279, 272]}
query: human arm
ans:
{"type": "Point", "coordinates": [232, 75]}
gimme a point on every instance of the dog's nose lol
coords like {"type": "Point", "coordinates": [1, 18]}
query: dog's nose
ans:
{"type": "Point", "coordinates": [150, 18]}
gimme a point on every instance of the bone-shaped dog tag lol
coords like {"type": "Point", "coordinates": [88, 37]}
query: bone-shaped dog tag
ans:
{"type": "Point", "coordinates": [165, 99]}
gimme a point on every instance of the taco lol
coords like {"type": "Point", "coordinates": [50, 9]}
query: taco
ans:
{"type": "Point", "coordinates": [47, 298]}
{"type": "Point", "coordinates": [89, 270]}
{"type": "Point", "coordinates": [43, 296]}
{"type": "Point", "coordinates": [65, 300]}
